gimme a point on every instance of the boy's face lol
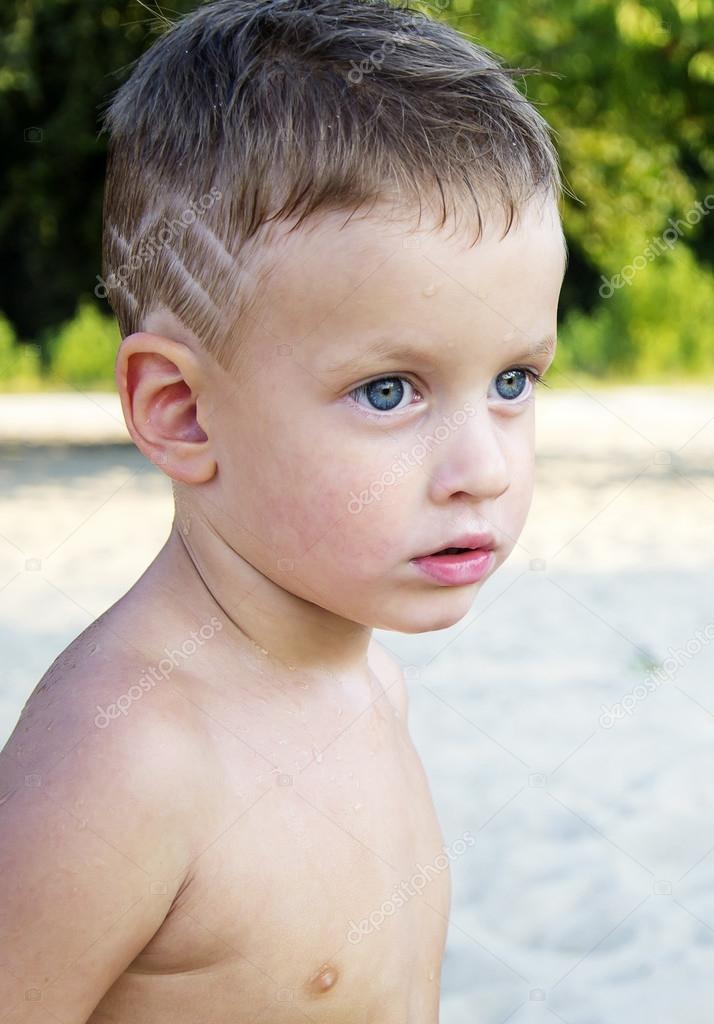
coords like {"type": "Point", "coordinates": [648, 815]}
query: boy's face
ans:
{"type": "Point", "coordinates": [337, 467]}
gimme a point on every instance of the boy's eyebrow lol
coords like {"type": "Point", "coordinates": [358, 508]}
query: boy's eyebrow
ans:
{"type": "Point", "coordinates": [386, 347]}
{"type": "Point", "coordinates": [544, 347]}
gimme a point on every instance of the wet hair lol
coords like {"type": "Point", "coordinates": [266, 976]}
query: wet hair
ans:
{"type": "Point", "coordinates": [248, 114]}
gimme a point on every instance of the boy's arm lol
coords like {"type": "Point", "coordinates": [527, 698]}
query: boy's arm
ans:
{"type": "Point", "coordinates": [93, 850]}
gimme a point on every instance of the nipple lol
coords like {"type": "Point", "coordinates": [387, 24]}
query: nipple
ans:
{"type": "Point", "coordinates": [324, 979]}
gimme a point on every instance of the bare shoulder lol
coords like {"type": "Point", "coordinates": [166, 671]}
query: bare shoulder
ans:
{"type": "Point", "coordinates": [90, 723]}
{"type": "Point", "coordinates": [97, 822]}
{"type": "Point", "coordinates": [390, 674]}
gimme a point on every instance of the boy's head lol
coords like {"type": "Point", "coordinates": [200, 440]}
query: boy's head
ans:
{"type": "Point", "coordinates": [270, 164]}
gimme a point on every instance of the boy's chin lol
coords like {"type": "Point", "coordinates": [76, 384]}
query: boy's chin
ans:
{"type": "Point", "coordinates": [438, 610]}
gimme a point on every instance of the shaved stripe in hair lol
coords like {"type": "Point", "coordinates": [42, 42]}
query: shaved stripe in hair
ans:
{"type": "Point", "coordinates": [178, 264]}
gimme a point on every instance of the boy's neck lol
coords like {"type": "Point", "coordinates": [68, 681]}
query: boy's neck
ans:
{"type": "Point", "coordinates": [208, 577]}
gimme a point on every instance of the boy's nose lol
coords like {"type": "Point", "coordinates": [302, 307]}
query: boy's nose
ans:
{"type": "Point", "coordinates": [471, 460]}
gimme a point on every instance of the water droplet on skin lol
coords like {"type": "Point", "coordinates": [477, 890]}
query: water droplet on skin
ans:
{"type": "Point", "coordinates": [318, 755]}
{"type": "Point", "coordinates": [303, 686]}
{"type": "Point", "coordinates": [429, 290]}
{"type": "Point", "coordinates": [431, 975]}
{"type": "Point", "coordinates": [282, 742]}
{"type": "Point", "coordinates": [291, 667]}
{"type": "Point", "coordinates": [357, 807]}
{"type": "Point", "coordinates": [339, 712]}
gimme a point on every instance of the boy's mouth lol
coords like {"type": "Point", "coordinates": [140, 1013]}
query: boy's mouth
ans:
{"type": "Point", "coordinates": [458, 565]}
{"type": "Point", "coordinates": [469, 544]}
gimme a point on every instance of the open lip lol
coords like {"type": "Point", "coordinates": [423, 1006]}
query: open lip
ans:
{"type": "Point", "coordinates": [482, 541]}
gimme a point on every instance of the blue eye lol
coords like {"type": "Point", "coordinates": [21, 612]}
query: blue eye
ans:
{"type": "Point", "coordinates": [384, 393]}
{"type": "Point", "coordinates": [511, 384]}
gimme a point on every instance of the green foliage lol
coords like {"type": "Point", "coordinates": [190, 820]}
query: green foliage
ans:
{"type": "Point", "coordinates": [19, 364]}
{"type": "Point", "coordinates": [60, 63]}
{"type": "Point", "coordinates": [657, 326]}
{"type": "Point", "coordinates": [84, 351]}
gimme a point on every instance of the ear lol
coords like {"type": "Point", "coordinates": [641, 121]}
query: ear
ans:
{"type": "Point", "coordinates": [161, 383]}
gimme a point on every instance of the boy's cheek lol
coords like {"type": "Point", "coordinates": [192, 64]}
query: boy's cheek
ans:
{"type": "Point", "coordinates": [301, 494]}
{"type": "Point", "coordinates": [520, 495]}
{"type": "Point", "coordinates": [291, 499]}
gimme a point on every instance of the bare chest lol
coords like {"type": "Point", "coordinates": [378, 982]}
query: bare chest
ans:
{"type": "Point", "coordinates": [322, 890]}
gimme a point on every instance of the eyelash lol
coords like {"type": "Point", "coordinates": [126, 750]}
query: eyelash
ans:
{"type": "Point", "coordinates": [533, 375]}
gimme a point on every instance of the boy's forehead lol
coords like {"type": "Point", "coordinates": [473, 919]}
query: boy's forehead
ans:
{"type": "Point", "coordinates": [369, 275]}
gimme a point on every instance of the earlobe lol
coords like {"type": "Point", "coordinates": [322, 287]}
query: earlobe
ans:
{"type": "Point", "coordinates": [160, 384]}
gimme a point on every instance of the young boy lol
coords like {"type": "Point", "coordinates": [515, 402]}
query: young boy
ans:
{"type": "Point", "coordinates": [211, 806]}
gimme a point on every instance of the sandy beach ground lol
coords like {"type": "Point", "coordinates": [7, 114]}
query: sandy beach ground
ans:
{"type": "Point", "coordinates": [588, 895]}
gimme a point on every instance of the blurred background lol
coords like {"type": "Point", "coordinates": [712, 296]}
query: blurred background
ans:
{"type": "Point", "coordinates": [568, 721]}
{"type": "Point", "coordinates": [627, 86]}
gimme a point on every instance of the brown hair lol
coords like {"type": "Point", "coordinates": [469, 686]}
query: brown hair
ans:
{"type": "Point", "coordinates": [246, 113]}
